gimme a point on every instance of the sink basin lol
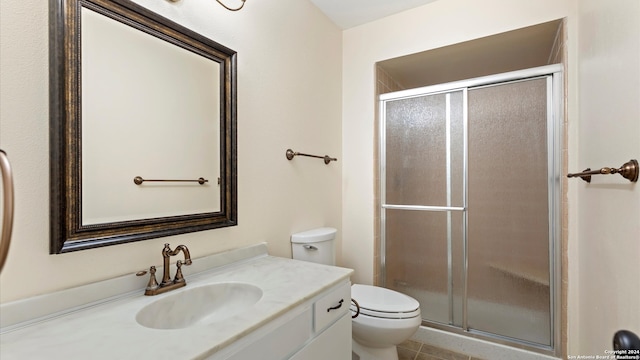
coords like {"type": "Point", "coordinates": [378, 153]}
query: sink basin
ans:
{"type": "Point", "coordinates": [200, 305]}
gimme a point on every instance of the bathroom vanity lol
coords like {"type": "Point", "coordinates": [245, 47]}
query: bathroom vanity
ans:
{"type": "Point", "coordinates": [241, 304]}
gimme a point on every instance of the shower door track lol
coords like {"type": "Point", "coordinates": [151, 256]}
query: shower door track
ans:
{"type": "Point", "coordinates": [554, 132]}
{"type": "Point", "coordinates": [495, 338]}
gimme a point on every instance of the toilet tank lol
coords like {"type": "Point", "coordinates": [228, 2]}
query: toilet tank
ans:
{"type": "Point", "coordinates": [315, 245]}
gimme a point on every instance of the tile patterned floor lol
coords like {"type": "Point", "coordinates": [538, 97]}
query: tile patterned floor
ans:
{"type": "Point", "coordinates": [413, 350]}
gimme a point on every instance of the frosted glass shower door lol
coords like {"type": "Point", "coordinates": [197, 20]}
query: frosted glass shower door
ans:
{"type": "Point", "coordinates": [423, 202]}
{"type": "Point", "coordinates": [508, 211]}
{"type": "Point", "coordinates": [469, 194]}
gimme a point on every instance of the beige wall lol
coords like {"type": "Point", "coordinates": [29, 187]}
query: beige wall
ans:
{"type": "Point", "coordinates": [607, 134]}
{"type": "Point", "coordinates": [289, 95]}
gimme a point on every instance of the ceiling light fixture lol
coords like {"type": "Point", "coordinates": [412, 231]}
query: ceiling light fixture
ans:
{"type": "Point", "coordinates": [225, 6]}
{"type": "Point", "coordinates": [231, 9]}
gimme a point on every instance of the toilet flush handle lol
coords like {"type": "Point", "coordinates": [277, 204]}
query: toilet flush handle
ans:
{"type": "Point", "coordinates": [310, 247]}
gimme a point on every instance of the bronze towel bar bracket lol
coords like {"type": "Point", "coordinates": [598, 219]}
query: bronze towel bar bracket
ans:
{"type": "Point", "coordinates": [138, 180]}
{"type": "Point", "coordinates": [628, 170]}
{"type": "Point", "coordinates": [291, 154]}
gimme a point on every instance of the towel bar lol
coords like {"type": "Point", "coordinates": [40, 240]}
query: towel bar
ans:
{"type": "Point", "coordinates": [291, 154]}
{"type": "Point", "coordinates": [139, 180]}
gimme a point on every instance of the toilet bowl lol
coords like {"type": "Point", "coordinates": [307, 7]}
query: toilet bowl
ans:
{"type": "Point", "coordinates": [386, 317]}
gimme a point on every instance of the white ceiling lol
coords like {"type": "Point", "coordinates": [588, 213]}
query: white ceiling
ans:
{"type": "Point", "coordinates": [350, 13]}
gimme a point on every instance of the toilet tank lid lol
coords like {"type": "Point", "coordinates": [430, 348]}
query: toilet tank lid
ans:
{"type": "Point", "coordinates": [314, 235]}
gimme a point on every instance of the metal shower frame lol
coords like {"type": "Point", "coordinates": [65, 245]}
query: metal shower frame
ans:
{"type": "Point", "coordinates": [555, 120]}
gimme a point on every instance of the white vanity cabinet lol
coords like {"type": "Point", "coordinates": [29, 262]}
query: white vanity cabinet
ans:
{"type": "Point", "coordinates": [298, 316]}
{"type": "Point", "coordinates": [333, 343]}
{"type": "Point", "coordinates": [332, 327]}
{"type": "Point", "coordinates": [319, 329]}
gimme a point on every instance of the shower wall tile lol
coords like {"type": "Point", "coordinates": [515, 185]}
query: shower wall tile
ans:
{"type": "Point", "coordinates": [385, 83]}
{"type": "Point", "coordinates": [555, 56]}
{"type": "Point", "coordinates": [565, 199]}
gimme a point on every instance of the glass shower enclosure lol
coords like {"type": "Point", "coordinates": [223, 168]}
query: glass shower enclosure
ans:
{"type": "Point", "coordinates": [470, 204]}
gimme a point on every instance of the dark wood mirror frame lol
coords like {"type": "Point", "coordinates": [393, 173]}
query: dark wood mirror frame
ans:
{"type": "Point", "coordinates": [67, 232]}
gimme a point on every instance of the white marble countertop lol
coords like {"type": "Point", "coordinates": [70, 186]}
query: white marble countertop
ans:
{"type": "Point", "coordinates": [110, 330]}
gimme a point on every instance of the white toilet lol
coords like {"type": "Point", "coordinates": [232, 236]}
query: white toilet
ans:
{"type": "Point", "coordinates": [387, 317]}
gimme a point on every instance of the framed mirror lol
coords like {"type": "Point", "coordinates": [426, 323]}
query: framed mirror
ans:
{"type": "Point", "coordinates": [142, 126]}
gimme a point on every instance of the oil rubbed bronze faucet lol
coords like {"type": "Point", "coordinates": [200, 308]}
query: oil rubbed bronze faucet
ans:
{"type": "Point", "coordinates": [153, 288]}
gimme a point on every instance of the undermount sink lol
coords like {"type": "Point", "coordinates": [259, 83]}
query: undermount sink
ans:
{"type": "Point", "coordinates": [199, 305]}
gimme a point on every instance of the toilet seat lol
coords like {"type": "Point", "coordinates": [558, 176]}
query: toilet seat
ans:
{"type": "Point", "coordinates": [384, 303]}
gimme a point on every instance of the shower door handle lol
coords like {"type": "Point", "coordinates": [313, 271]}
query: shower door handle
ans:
{"type": "Point", "coordinates": [7, 209]}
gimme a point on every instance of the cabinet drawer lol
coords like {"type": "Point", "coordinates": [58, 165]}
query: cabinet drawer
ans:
{"type": "Point", "coordinates": [329, 308]}
{"type": "Point", "coordinates": [333, 343]}
{"type": "Point", "coordinates": [279, 340]}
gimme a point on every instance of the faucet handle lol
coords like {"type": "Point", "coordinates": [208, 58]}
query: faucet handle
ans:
{"type": "Point", "coordinates": [153, 283]}
{"type": "Point", "coordinates": [179, 278]}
